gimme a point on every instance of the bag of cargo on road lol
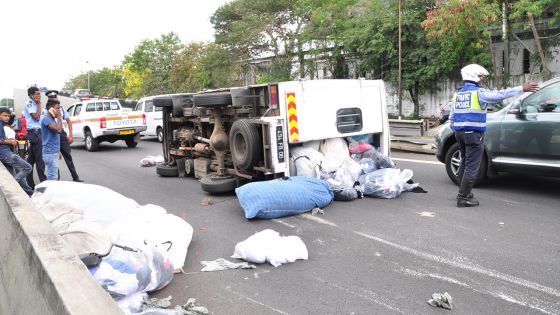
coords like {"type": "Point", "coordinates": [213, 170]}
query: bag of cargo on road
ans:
{"type": "Point", "coordinates": [385, 183]}
{"type": "Point", "coordinates": [283, 197]}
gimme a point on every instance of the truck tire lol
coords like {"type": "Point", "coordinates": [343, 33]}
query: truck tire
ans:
{"type": "Point", "coordinates": [215, 184]}
{"type": "Point", "coordinates": [130, 142]}
{"type": "Point", "coordinates": [92, 144]}
{"type": "Point", "coordinates": [245, 144]}
{"type": "Point", "coordinates": [163, 102]}
{"type": "Point", "coordinates": [212, 99]}
{"type": "Point", "coordinates": [159, 134]}
{"type": "Point", "coordinates": [453, 159]}
{"type": "Point", "coordinates": [164, 170]}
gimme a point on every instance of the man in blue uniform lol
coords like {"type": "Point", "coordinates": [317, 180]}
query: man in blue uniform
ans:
{"type": "Point", "coordinates": [468, 121]}
{"type": "Point", "coordinates": [32, 114]}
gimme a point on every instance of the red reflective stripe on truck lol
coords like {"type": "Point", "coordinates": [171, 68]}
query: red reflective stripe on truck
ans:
{"type": "Point", "coordinates": [292, 117]}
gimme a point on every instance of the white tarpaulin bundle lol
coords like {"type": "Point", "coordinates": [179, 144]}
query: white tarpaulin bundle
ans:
{"type": "Point", "coordinates": [91, 217]}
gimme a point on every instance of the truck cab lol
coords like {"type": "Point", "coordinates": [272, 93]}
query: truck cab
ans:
{"type": "Point", "coordinates": [228, 136]}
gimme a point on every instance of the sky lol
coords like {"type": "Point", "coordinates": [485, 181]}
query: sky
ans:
{"type": "Point", "coordinates": [47, 42]}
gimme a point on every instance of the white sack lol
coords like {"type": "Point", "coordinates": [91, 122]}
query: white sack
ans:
{"type": "Point", "coordinates": [305, 161]}
{"type": "Point", "coordinates": [269, 246]}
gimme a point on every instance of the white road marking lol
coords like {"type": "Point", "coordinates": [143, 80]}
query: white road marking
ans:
{"type": "Point", "coordinates": [474, 268]}
{"type": "Point", "coordinates": [257, 302]}
{"type": "Point", "coordinates": [426, 214]}
{"type": "Point", "coordinates": [418, 161]}
{"type": "Point", "coordinates": [284, 223]}
{"type": "Point", "coordinates": [369, 295]}
{"type": "Point", "coordinates": [317, 219]}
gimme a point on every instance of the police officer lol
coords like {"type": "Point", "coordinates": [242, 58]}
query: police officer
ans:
{"type": "Point", "coordinates": [66, 140]}
{"type": "Point", "coordinates": [32, 114]}
{"type": "Point", "coordinates": [468, 121]}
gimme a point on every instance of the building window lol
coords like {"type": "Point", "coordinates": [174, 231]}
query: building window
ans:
{"type": "Point", "coordinates": [526, 61]}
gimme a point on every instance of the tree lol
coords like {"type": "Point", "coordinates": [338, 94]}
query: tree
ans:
{"type": "Point", "coordinates": [463, 30]}
{"type": "Point", "coordinates": [259, 28]}
{"type": "Point", "coordinates": [528, 10]}
{"type": "Point", "coordinates": [149, 66]}
{"type": "Point", "coordinates": [372, 39]}
{"type": "Point", "coordinates": [104, 82]}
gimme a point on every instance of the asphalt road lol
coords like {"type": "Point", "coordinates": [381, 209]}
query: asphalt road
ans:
{"type": "Point", "coordinates": [367, 256]}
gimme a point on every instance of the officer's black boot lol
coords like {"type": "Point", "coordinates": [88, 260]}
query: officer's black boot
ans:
{"type": "Point", "coordinates": [466, 201]}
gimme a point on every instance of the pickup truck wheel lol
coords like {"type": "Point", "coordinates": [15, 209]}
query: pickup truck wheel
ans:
{"type": "Point", "coordinates": [159, 133]}
{"type": "Point", "coordinates": [245, 144]}
{"type": "Point", "coordinates": [453, 160]}
{"type": "Point", "coordinates": [164, 170]}
{"type": "Point", "coordinates": [212, 99]}
{"type": "Point", "coordinates": [130, 142]}
{"type": "Point", "coordinates": [91, 143]}
{"type": "Point", "coordinates": [216, 184]}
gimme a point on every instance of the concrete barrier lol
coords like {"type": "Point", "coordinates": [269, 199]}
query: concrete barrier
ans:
{"type": "Point", "coordinates": [38, 275]}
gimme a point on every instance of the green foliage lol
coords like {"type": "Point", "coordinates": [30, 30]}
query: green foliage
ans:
{"type": "Point", "coordinates": [104, 82]}
{"type": "Point", "coordinates": [255, 28]}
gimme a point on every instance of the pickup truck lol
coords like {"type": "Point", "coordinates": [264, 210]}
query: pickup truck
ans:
{"type": "Point", "coordinates": [98, 120]}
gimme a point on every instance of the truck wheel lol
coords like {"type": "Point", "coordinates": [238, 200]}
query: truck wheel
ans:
{"type": "Point", "coordinates": [216, 184]}
{"type": "Point", "coordinates": [212, 99]}
{"type": "Point", "coordinates": [159, 133]}
{"type": "Point", "coordinates": [130, 142]}
{"type": "Point", "coordinates": [164, 170]}
{"type": "Point", "coordinates": [453, 160]}
{"type": "Point", "coordinates": [245, 144]}
{"type": "Point", "coordinates": [92, 144]}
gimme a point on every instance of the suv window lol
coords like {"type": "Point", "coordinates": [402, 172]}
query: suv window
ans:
{"type": "Point", "coordinates": [70, 111]}
{"type": "Point", "coordinates": [90, 107]}
{"type": "Point", "coordinates": [106, 105]}
{"type": "Point", "coordinates": [138, 106]}
{"type": "Point", "coordinates": [544, 101]}
{"type": "Point", "coordinates": [99, 107]}
{"type": "Point", "coordinates": [149, 106]}
{"type": "Point", "coordinates": [115, 106]}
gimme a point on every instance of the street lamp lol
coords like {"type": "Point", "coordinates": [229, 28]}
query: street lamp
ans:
{"type": "Point", "coordinates": [87, 62]}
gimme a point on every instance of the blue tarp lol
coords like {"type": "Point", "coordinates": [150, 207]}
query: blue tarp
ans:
{"type": "Point", "coordinates": [283, 197]}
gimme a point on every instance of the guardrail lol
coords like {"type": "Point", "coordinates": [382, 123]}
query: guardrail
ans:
{"type": "Point", "coordinates": [420, 125]}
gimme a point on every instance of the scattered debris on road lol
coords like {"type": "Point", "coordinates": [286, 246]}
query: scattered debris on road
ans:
{"type": "Point", "coordinates": [206, 201]}
{"type": "Point", "coordinates": [441, 300]}
{"type": "Point", "coordinates": [151, 161]}
{"type": "Point", "coordinates": [268, 246]}
{"type": "Point", "coordinates": [224, 264]}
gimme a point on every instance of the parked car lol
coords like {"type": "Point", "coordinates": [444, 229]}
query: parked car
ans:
{"type": "Point", "coordinates": [154, 118]}
{"type": "Point", "coordinates": [444, 111]}
{"type": "Point", "coordinates": [82, 94]}
{"type": "Point", "coordinates": [524, 136]}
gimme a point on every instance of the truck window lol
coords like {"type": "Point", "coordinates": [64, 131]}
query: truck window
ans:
{"type": "Point", "coordinates": [115, 106]}
{"type": "Point", "coordinates": [78, 109]}
{"type": "Point", "coordinates": [349, 120]}
{"type": "Point", "coordinates": [106, 105]}
{"type": "Point", "coordinates": [138, 106]}
{"type": "Point", "coordinates": [90, 107]}
{"type": "Point", "coordinates": [149, 106]}
{"type": "Point", "coordinates": [99, 107]}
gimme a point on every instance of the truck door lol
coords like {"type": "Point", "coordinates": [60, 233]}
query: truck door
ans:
{"type": "Point", "coordinates": [77, 123]}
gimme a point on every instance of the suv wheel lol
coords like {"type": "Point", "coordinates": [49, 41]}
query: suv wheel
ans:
{"type": "Point", "coordinates": [91, 143]}
{"type": "Point", "coordinates": [131, 142]}
{"type": "Point", "coordinates": [453, 160]}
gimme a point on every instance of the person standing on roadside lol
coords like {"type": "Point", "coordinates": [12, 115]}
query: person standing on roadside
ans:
{"type": "Point", "coordinates": [66, 139]}
{"type": "Point", "coordinates": [32, 114]}
{"type": "Point", "coordinates": [51, 127]}
{"type": "Point", "coordinates": [468, 121]}
{"type": "Point", "coordinates": [18, 165]}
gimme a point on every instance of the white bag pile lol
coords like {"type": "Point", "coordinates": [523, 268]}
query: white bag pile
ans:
{"type": "Point", "coordinates": [269, 246]}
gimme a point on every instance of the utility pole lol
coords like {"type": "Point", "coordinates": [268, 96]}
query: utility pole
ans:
{"type": "Point", "coordinates": [400, 61]}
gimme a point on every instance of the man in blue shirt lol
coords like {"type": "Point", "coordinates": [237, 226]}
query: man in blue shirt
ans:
{"type": "Point", "coordinates": [32, 114]}
{"type": "Point", "coordinates": [10, 158]}
{"type": "Point", "coordinates": [66, 139]}
{"type": "Point", "coordinates": [51, 127]}
{"type": "Point", "coordinates": [468, 121]}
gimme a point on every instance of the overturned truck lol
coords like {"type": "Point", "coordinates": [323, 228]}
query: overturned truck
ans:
{"type": "Point", "coordinates": [230, 136]}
